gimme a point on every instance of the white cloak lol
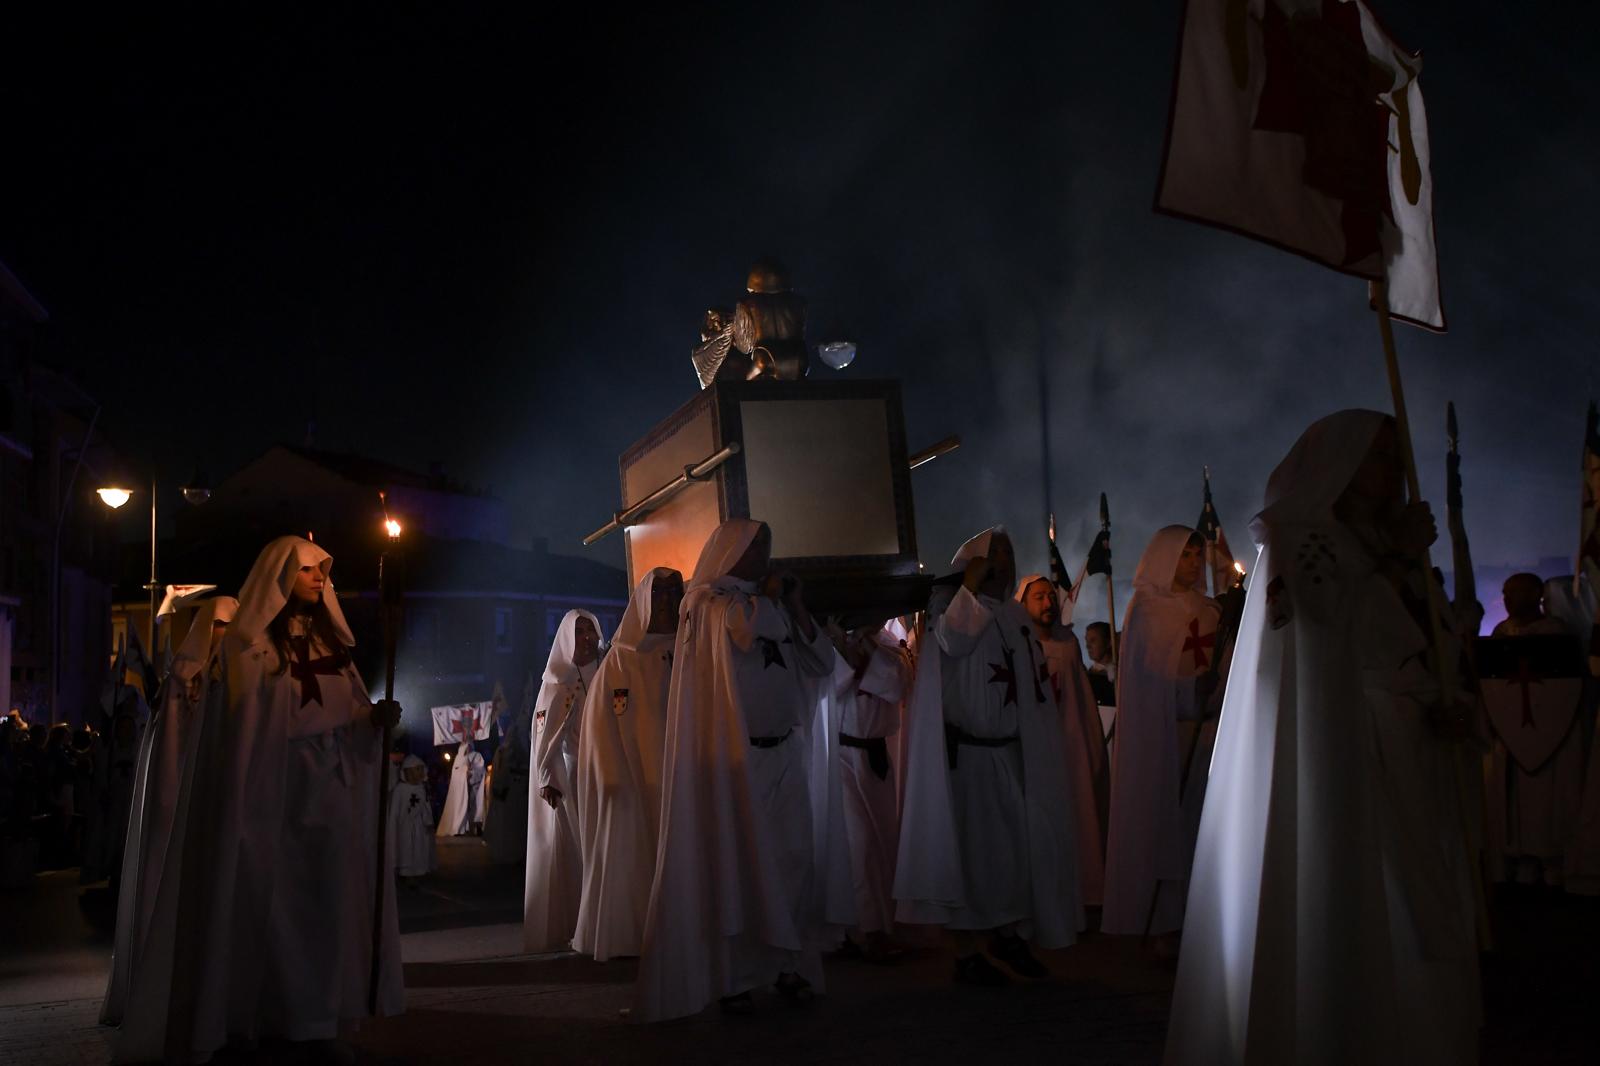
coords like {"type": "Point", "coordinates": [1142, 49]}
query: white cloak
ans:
{"type": "Point", "coordinates": [871, 710]}
{"type": "Point", "coordinates": [619, 781]}
{"type": "Point", "coordinates": [553, 881]}
{"type": "Point", "coordinates": [991, 842]}
{"type": "Point", "coordinates": [1085, 740]}
{"type": "Point", "coordinates": [1151, 830]}
{"type": "Point", "coordinates": [411, 824]}
{"type": "Point", "coordinates": [753, 868]}
{"type": "Point", "coordinates": [1330, 907]}
{"type": "Point", "coordinates": [463, 804]}
{"type": "Point", "coordinates": [137, 995]}
{"type": "Point", "coordinates": [281, 878]}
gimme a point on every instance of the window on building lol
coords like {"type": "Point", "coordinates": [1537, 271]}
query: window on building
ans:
{"type": "Point", "coordinates": [502, 629]}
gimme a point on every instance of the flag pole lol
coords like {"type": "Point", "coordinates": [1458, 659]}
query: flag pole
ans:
{"type": "Point", "coordinates": [1442, 671]}
{"type": "Point", "coordinates": [1211, 544]}
{"type": "Point", "coordinates": [1111, 588]}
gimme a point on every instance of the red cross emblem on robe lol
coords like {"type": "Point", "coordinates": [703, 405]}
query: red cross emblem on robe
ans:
{"type": "Point", "coordinates": [1199, 644]}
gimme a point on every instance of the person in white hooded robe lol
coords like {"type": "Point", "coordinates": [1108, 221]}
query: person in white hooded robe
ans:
{"type": "Point", "coordinates": [987, 827]}
{"type": "Point", "coordinates": [753, 869]}
{"type": "Point", "coordinates": [1164, 694]}
{"type": "Point", "coordinates": [1084, 735]}
{"type": "Point", "coordinates": [281, 877]}
{"type": "Point", "coordinates": [873, 679]}
{"type": "Point", "coordinates": [620, 748]}
{"type": "Point", "coordinates": [553, 885]}
{"type": "Point", "coordinates": [147, 906]}
{"type": "Point", "coordinates": [411, 821]}
{"type": "Point", "coordinates": [1330, 913]}
{"type": "Point", "coordinates": [463, 804]}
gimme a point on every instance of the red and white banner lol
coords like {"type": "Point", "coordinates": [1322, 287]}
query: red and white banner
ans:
{"type": "Point", "coordinates": [462, 721]}
{"type": "Point", "coordinates": [1300, 123]}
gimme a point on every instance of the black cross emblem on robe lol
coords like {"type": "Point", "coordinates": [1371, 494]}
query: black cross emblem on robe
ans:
{"type": "Point", "coordinates": [1006, 673]}
{"type": "Point", "coordinates": [770, 654]}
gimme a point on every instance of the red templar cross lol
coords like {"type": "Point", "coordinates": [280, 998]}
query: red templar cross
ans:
{"type": "Point", "coordinates": [467, 725]}
{"type": "Point", "coordinates": [1198, 644]}
{"type": "Point", "coordinates": [1526, 677]}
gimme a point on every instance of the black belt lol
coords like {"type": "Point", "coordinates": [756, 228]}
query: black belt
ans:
{"type": "Point", "coordinates": [770, 742]}
{"type": "Point", "coordinates": [954, 737]}
{"type": "Point", "coordinates": [877, 749]}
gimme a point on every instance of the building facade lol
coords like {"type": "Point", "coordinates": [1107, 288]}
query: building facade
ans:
{"type": "Point", "coordinates": [56, 550]}
{"type": "Point", "coordinates": [477, 611]}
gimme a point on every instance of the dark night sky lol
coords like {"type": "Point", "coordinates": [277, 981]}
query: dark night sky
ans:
{"type": "Point", "coordinates": [456, 238]}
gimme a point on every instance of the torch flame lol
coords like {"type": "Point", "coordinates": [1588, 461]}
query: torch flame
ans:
{"type": "Point", "coordinates": [1238, 568]}
{"type": "Point", "coordinates": [392, 527]}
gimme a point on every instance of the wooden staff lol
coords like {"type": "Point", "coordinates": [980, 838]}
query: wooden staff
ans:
{"type": "Point", "coordinates": [389, 617]}
{"type": "Point", "coordinates": [1442, 670]}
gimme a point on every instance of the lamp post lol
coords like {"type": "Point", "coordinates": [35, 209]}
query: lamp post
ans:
{"type": "Point", "coordinates": [115, 496]}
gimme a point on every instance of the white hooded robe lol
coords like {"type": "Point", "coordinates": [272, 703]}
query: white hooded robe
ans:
{"type": "Point", "coordinates": [619, 780]}
{"type": "Point", "coordinates": [989, 842]}
{"type": "Point", "coordinates": [753, 869]}
{"type": "Point", "coordinates": [1085, 740]}
{"type": "Point", "coordinates": [411, 823]}
{"type": "Point", "coordinates": [281, 879]}
{"type": "Point", "coordinates": [553, 883]}
{"type": "Point", "coordinates": [1168, 639]}
{"type": "Point", "coordinates": [464, 802]}
{"type": "Point", "coordinates": [1330, 908]}
{"type": "Point", "coordinates": [871, 712]}
{"type": "Point", "coordinates": [137, 995]}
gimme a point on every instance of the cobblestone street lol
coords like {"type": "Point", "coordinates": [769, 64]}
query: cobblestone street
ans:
{"type": "Point", "coordinates": [472, 997]}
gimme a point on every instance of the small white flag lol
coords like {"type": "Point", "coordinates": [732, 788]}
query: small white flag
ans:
{"type": "Point", "coordinates": [180, 596]}
{"type": "Point", "coordinates": [462, 721]}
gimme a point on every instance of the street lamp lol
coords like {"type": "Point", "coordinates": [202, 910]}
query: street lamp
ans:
{"type": "Point", "coordinates": [198, 490]}
{"type": "Point", "coordinates": [114, 496]}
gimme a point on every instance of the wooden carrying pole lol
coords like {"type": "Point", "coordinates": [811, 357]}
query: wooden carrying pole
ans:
{"type": "Point", "coordinates": [1442, 670]}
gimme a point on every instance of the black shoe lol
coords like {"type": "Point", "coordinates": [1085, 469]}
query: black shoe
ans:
{"type": "Point", "coordinates": [977, 970]}
{"type": "Point", "coordinates": [1013, 951]}
{"type": "Point", "coordinates": [740, 1004]}
{"type": "Point", "coordinates": [849, 950]}
{"type": "Point", "coordinates": [793, 987]}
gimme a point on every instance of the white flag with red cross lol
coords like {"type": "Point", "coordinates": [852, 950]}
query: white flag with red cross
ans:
{"type": "Point", "coordinates": [462, 721]}
{"type": "Point", "coordinates": [1300, 123]}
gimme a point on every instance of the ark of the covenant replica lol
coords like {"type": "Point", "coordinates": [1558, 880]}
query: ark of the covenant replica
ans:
{"type": "Point", "coordinates": [824, 463]}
